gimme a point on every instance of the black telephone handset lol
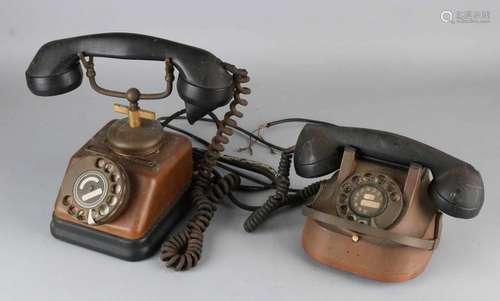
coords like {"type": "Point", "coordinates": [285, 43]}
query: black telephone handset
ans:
{"type": "Point", "coordinates": [204, 84]}
{"type": "Point", "coordinates": [457, 188]}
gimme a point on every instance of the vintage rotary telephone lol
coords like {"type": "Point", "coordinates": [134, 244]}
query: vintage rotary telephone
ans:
{"type": "Point", "coordinates": [378, 216]}
{"type": "Point", "coordinates": [125, 188]}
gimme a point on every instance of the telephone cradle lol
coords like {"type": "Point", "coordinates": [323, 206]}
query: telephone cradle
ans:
{"type": "Point", "coordinates": [347, 242]}
{"type": "Point", "coordinates": [378, 215]}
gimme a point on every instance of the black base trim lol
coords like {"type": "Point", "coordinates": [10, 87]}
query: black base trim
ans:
{"type": "Point", "coordinates": [131, 250]}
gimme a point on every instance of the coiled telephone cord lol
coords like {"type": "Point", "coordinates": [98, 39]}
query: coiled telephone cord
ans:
{"type": "Point", "coordinates": [276, 200]}
{"type": "Point", "coordinates": [303, 195]}
{"type": "Point", "coordinates": [182, 251]}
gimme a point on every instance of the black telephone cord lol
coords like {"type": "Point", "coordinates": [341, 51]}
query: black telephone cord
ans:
{"type": "Point", "coordinates": [182, 250]}
{"type": "Point", "coordinates": [297, 197]}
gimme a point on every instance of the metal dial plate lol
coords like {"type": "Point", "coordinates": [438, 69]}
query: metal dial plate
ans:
{"type": "Point", "coordinates": [370, 198]}
{"type": "Point", "coordinates": [95, 190]}
{"type": "Point", "coordinates": [90, 188]}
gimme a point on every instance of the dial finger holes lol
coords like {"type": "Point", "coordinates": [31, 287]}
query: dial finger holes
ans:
{"type": "Point", "coordinates": [108, 167]}
{"type": "Point", "coordinates": [112, 201]}
{"type": "Point", "coordinates": [395, 197]}
{"type": "Point", "coordinates": [100, 163]}
{"type": "Point", "coordinates": [80, 215]}
{"type": "Point", "coordinates": [67, 200]}
{"type": "Point", "coordinates": [117, 188]}
{"type": "Point", "coordinates": [346, 188]}
{"type": "Point", "coordinates": [96, 194]}
{"type": "Point", "coordinates": [115, 177]}
{"type": "Point", "coordinates": [103, 210]}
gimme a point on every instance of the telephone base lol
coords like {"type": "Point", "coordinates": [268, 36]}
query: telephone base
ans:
{"type": "Point", "coordinates": [386, 254]}
{"type": "Point", "coordinates": [123, 205]}
{"type": "Point", "coordinates": [127, 249]}
{"type": "Point", "coordinates": [364, 259]}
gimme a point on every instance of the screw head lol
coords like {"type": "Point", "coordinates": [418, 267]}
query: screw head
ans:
{"type": "Point", "coordinates": [355, 238]}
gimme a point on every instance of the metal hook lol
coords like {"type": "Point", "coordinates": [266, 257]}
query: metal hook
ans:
{"type": "Point", "coordinates": [91, 74]}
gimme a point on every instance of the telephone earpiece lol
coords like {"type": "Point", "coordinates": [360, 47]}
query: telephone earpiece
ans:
{"type": "Point", "coordinates": [204, 84]}
{"type": "Point", "coordinates": [457, 188]}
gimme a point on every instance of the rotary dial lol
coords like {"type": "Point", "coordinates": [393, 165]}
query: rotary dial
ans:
{"type": "Point", "coordinates": [370, 198]}
{"type": "Point", "coordinates": [96, 190]}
